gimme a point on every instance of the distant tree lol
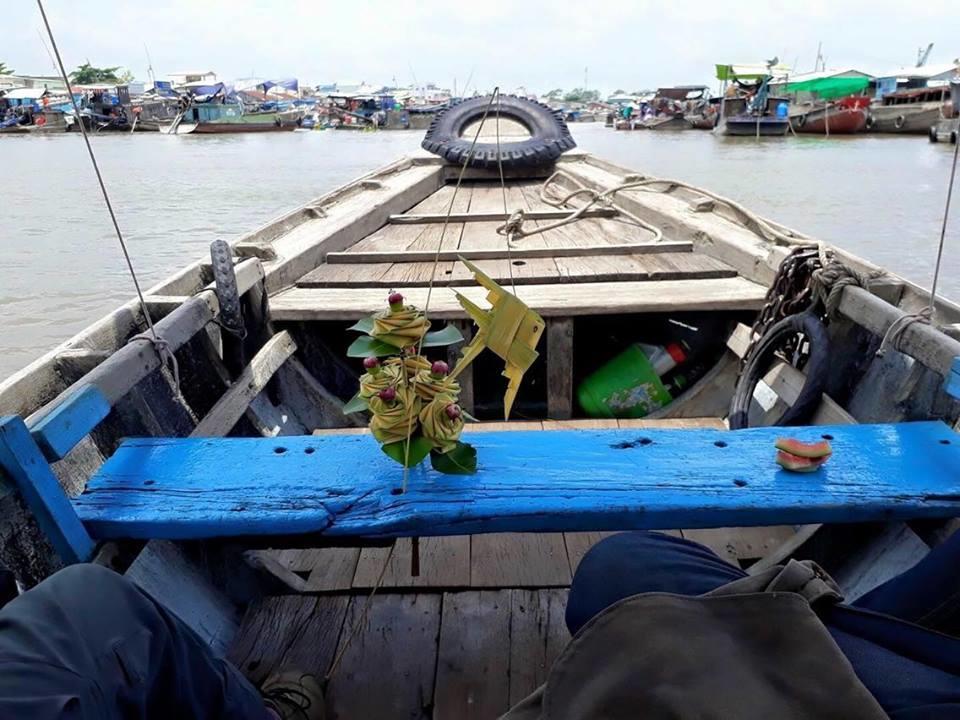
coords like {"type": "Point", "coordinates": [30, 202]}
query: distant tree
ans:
{"type": "Point", "coordinates": [554, 94]}
{"type": "Point", "coordinates": [619, 91]}
{"type": "Point", "coordinates": [582, 96]}
{"type": "Point", "coordinates": [86, 74]}
{"type": "Point", "coordinates": [4, 70]}
{"type": "Point", "coordinates": [126, 77]}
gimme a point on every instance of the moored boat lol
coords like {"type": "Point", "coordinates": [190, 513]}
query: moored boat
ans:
{"type": "Point", "coordinates": [909, 111]}
{"type": "Point", "coordinates": [844, 117]}
{"type": "Point", "coordinates": [214, 527]}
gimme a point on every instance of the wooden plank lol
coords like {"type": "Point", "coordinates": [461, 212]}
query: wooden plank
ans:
{"type": "Point", "coordinates": [323, 569]}
{"type": "Point", "coordinates": [538, 634]}
{"type": "Point", "coordinates": [421, 218]}
{"type": "Point", "coordinates": [388, 669]}
{"type": "Point", "coordinates": [921, 341]}
{"type": "Point", "coordinates": [250, 383]}
{"type": "Point", "coordinates": [473, 661]}
{"type": "Point", "coordinates": [601, 298]}
{"type": "Point", "coordinates": [519, 560]}
{"type": "Point", "coordinates": [61, 430]}
{"type": "Point", "coordinates": [465, 378]}
{"type": "Point", "coordinates": [132, 363]}
{"type": "Point", "coordinates": [358, 255]}
{"type": "Point", "coordinates": [286, 632]}
{"type": "Point", "coordinates": [22, 462]}
{"type": "Point", "coordinates": [739, 340]}
{"type": "Point", "coordinates": [896, 550]}
{"type": "Point", "coordinates": [557, 481]}
{"type": "Point", "coordinates": [559, 368]}
{"type": "Point", "coordinates": [444, 562]}
{"type": "Point", "coordinates": [742, 543]}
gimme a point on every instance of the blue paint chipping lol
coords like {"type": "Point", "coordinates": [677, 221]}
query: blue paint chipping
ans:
{"type": "Point", "coordinates": [60, 430]}
{"type": "Point", "coordinates": [952, 381]}
{"type": "Point", "coordinates": [527, 481]}
{"type": "Point", "coordinates": [21, 459]}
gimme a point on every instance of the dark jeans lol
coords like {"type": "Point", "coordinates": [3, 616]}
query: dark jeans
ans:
{"type": "Point", "coordinates": [86, 643]}
{"type": "Point", "coordinates": [912, 671]}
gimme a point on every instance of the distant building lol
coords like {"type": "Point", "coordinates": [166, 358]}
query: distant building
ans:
{"type": "Point", "coordinates": [53, 83]}
{"type": "Point", "coordinates": [179, 79]}
{"type": "Point", "coordinates": [908, 78]}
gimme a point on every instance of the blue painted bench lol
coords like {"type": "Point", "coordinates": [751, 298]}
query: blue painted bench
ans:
{"type": "Point", "coordinates": [342, 486]}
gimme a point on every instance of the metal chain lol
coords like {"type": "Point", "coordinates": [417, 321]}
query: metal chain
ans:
{"type": "Point", "coordinates": [791, 292]}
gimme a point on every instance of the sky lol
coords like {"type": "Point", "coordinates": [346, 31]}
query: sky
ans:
{"type": "Point", "coordinates": [537, 45]}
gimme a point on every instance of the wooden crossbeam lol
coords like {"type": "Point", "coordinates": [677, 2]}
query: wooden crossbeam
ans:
{"type": "Point", "coordinates": [500, 253]}
{"type": "Point", "coordinates": [539, 481]}
{"type": "Point", "coordinates": [422, 218]}
{"type": "Point", "coordinates": [251, 382]}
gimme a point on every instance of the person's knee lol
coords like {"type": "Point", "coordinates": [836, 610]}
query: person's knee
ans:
{"type": "Point", "coordinates": [639, 546]}
{"type": "Point", "coordinates": [74, 583]}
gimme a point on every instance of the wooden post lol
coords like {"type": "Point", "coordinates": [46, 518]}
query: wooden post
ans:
{"type": "Point", "coordinates": [466, 377]}
{"type": "Point", "coordinates": [560, 368]}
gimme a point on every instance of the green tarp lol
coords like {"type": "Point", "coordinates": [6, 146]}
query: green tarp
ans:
{"type": "Point", "coordinates": [830, 87]}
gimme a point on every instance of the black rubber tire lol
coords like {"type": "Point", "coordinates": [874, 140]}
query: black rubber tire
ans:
{"type": "Point", "coordinates": [816, 371]}
{"type": "Point", "coordinates": [549, 135]}
{"type": "Point", "coordinates": [933, 134]}
{"type": "Point", "coordinates": [225, 279]}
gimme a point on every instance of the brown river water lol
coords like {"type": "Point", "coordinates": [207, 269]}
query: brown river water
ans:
{"type": "Point", "coordinates": [61, 268]}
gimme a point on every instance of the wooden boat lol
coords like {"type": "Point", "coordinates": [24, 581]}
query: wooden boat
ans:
{"type": "Point", "coordinates": [845, 117]}
{"type": "Point", "coordinates": [736, 118]}
{"type": "Point", "coordinates": [202, 118]}
{"type": "Point", "coordinates": [909, 111]}
{"type": "Point", "coordinates": [948, 129]}
{"type": "Point", "coordinates": [670, 121]}
{"type": "Point", "coordinates": [493, 598]}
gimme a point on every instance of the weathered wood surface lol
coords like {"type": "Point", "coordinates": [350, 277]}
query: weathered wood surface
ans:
{"type": "Point", "coordinates": [560, 368]}
{"type": "Point", "coordinates": [523, 271]}
{"type": "Point", "coordinates": [132, 363]}
{"type": "Point", "coordinates": [601, 298]}
{"type": "Point", "coordinates": [473, 662]}
{"type": "Point", "coordinates": [519, 560]}
{"type": "Point", "coordinates": [421, 218]}
{"type": "Point", "coordinates": [354, 256]}
{"type": "Point", "coordinates": [250, 383]}
{"type": "Point", "coordinates": [339, 485]}
{"type": "Point", "coordinates": [444, 562]}
{"type": "Point", "coordinates": [388, 669]}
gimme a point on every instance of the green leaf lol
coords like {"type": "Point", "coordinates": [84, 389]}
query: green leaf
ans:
{"type": "Point", "coordinates": [356, 404]}
{"type": "Point", "coordinates": [468, 416]}
{"type": "Point", "coordinates": [419, 449]}
{"type": "Point", "coordinates": [366, 346]}
{"type": "Point", "coordinates": [438, 338]}
{"type": "Point", "coordinates": [462, 460]}
{"type": "Point", "coordinates": [364, 325]}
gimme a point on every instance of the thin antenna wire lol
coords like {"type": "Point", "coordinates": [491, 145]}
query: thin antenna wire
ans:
{"type": "Point", "coordinates": [943, 229]}
{"type": "Point", "coordinates": [96, 169]}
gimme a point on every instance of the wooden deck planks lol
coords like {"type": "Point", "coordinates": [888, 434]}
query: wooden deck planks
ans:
{"type": "Point", "coordinates": [596, 298]}
{"type": "Point", "coordinates": [291, 631]}
{"type": "Point", "coordinates": [538, 634]}
{"type": "Point", "coordinates": [387, 670]}
{"type": "Point", "coordinates": [473, 659]}
{"type": "Point", "coordinates": [444, 562]}
{"type": "Point", "coordinates": [519, 560]}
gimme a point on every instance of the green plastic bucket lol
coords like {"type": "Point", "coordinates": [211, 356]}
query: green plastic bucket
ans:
{"type": "Point", "coordinates": [626, 387]}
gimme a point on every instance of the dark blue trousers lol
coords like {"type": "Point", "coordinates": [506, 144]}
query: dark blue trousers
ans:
{"type": "Point", "coordinates": [891, 635]}
{"type": "Point", "coordinates": [88, 644]}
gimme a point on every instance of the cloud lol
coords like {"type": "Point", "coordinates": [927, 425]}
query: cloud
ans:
{"type": "Point", "coordinates": [536, 44]}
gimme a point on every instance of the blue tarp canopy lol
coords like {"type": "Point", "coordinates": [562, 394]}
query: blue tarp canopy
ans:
{"type": "Point", "coordinates": [288, 84]}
